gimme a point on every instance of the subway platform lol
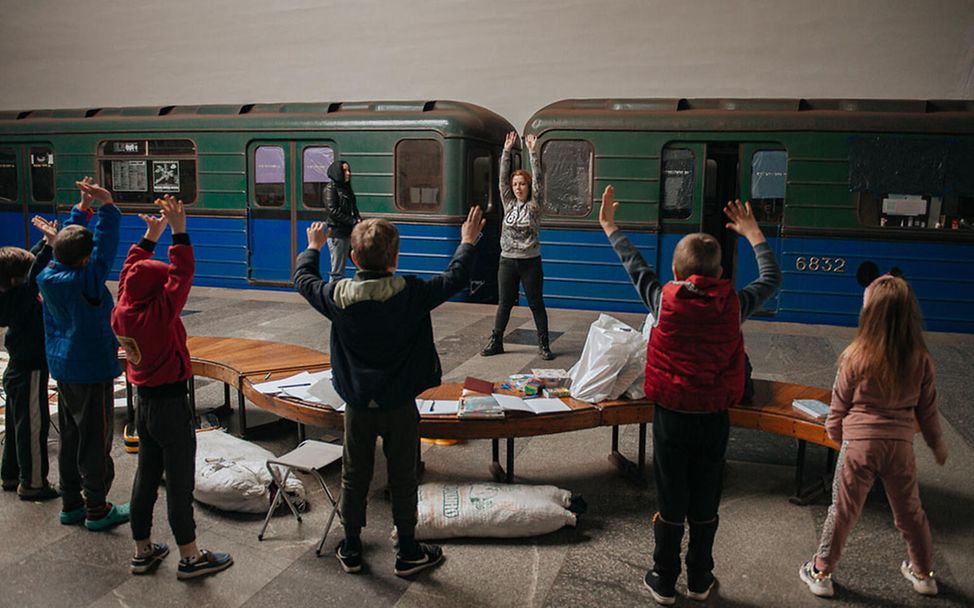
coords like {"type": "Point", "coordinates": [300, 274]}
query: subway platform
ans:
{"type": "Point", "coordinates": [762, 541]}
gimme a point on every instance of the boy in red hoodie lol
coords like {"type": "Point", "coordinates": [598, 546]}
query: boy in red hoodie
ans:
{"type": "Point", "coordinates": [151, 294]}
{"type": "Point", "coordinates": [694, 372]}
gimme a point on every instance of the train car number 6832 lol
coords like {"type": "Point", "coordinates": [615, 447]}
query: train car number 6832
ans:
{"type": "Point", "coordinates": [819, 264]}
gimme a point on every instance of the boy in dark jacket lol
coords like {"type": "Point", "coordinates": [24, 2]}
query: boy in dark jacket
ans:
{"type": "Point", "coordinates": [151, 294]}
{"type": "Point", "coordinates": [25, 464]}
{"type": "Point", "coordinates": [694, 372]}
{"type": "Point", "coordinates": [82, 356]}
{"type": "Point", "coordinates": [382, 357]}
{"type": "Point", "coordinates": [342, 216]}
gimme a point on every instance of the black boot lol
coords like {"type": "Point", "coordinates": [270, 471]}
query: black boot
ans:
{"type": "Point", "coordinates": [700, 559]}
{"type": "Point", "coordinates": [495, 346]}
{"type": "Point", "coordinates": [543, 349]}
{"type": "Point", "coordinates": [661, 580]}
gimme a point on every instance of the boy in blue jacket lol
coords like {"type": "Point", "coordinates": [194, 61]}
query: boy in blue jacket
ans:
{"type": "Point", "coordinates": [25, 464]}
{"type": "Point", "coordinates": [382, 357]}
{"type": "Point", "coordinates": [82, 355]}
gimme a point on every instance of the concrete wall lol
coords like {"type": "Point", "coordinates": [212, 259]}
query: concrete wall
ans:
{"type": "Point", "coordinates": [510, 56]}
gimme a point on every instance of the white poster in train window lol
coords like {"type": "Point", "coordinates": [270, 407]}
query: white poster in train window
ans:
{"type": "Point", "coordinates": [165, 176]}
{"type": "Point", "coordinates": [129, 176]}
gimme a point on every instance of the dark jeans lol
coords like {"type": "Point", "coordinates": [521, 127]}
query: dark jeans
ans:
{"type": "Point", "coordinates": [86, 415]}
{"type": "Point", "coordinates": [527, 272]}
{"type": "Point", "coordinates": [399, 429]}
{"type": "Point", "coordinates": [167, 443]}
{"type": "Point", "coordinates": [688, 464]}
{"type": "Point", "coordinates": [27, 421]}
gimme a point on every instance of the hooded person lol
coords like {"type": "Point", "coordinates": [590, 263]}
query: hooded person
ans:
{"type": "Point", "coordinates": [342, 216]}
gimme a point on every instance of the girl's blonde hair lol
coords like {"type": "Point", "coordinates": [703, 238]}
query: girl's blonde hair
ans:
{"type": "Point", "coordinates": [889, 344]}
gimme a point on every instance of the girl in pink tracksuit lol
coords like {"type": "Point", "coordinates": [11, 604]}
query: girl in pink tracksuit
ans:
{"type": "Point", "coordinates": [884, 388]}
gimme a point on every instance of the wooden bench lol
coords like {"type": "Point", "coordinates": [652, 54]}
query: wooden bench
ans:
{"type": "Point", "coordinates": [244, 363]}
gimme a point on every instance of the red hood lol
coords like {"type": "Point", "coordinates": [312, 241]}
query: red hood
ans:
{"type": "Point", "coordinates": [145, 280]}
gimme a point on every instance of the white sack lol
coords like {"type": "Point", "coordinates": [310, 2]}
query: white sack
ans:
{"type": "Point", "coordinates": [602, 372]}
{"type": "Point", "coordinates": [636, 388]}
{"type": "Point", "coordinates": [450, 510]}
{"type": "Point", "coordinates": [231, 474]}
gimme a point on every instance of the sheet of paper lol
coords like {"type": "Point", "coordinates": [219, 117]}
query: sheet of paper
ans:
{"type": "Point", "coordinates": [296, 381]}
{"type": "Point", "coordinates": [546, 406]}
{"type": "Point", "coordinates": [513, 402]}
{"type": "Point", "coordinates": [302, 393]}
{"type": "Point", "coordinates": [443, 406]}
{"type": "Point", "coordinates": [324, 392]}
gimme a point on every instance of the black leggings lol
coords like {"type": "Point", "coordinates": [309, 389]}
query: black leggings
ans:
{"type": "Point", "coordinates": [528, 272]}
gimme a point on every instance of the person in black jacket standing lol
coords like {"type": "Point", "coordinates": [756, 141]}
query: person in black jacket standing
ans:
{"type": "Point", "coordinates": [342, 216]}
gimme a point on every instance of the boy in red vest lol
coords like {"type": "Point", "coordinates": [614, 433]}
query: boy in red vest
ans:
{"type": "Point", "coordinates": [694, 372]}
{"type": "Point", "coordinates": [151, 294]}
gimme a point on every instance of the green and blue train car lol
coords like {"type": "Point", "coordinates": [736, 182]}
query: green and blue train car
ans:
{"type": "Point", "coordinates": [253, 176]}
{"type": "Point", "coordinates": [843, 189]}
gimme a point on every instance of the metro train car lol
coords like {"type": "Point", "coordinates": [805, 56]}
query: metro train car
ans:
{"type": "Point", "coordinates": [843, 189]}
{"type": "Point", "coordinates": [252, 177]}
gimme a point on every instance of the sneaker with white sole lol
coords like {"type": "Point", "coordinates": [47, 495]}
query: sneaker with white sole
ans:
{"type": "Point", "coordinates": [429, 556]}
{"type": "Point", "coordinates": [818, 583]}
{"type": "Point", "coordinates": [350, 560]}
{"type": "Point", "coordinates": [664, 592]}
{"type": "Point", "coordinates": [699, 585]}
{"type": "Point", "coordinates": [147, 563]}
{"type": "Point", "coordinates": [924, 586]}
{"type": "Point", "coordinates": [208, 562]}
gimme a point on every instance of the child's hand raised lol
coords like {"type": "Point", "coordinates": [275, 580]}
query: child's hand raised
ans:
{"type": "Point", "coordinates": [48, 229]}
{"type": "Point", "coordinates": [154, 227]}
{"type": "Point", "coordinates": [316, 235]}
{"type": "Point", "coordinates": [94, 191]}
{"type": "Point", "coordinates": [173, 211]}
{"type": "Point", "coordinates": [743, 222]}
{"type": "Point", "coordinates": [607, 212]}
{"type": "Point", "coordinates": [86, 199]}
{"type": "Point", "coordinates": [472, 228]}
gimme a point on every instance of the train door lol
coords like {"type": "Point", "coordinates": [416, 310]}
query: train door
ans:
{"type": "Point", "coordinates": [287, 179]}
{"type": "Point", "coordinates": [696, 180]}
{"type": "Point", "coordinates": [26, 189]}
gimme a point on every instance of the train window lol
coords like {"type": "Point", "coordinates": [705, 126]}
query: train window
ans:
{"type": "Point", "coordinates": [314, 176]}
{"type": "Point", "coordinates": [42, 173]}
{"type": "Point", "coordinates": [567, 167]}
{"type": "Point", "coordinates": [480, 184]}
{"type": "Point", "coordinates": [269, 170]}
{"type": "Point", "coordinates": [950, 212]}
{"type": "Point", "coordinates": [677, 183]}
{"type": "Point", "coordinates": [8, 175]}
{"type": "Point", "coordinates": [419, 174]}
{"type": "Point", "coordinates": [768, 172]}
{"type": "Point", "coordinates": [140, 171]}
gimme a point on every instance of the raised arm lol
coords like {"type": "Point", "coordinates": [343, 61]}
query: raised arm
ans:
{"type": "Point", "coordinates": [106, 231]}
{"type": "Point", "coordinates": [504, 173]}
{"type": "Point", "coordinates": [307, 276]}
{"type": "Point", "coordinates": [42, 249]}
{"type": "Point", "coordinates": [642, 275]}
{"type": "Point", "coordinates": [536, 176]}
{"type": "Point", "coordinates": [181, 259]}
{"type": "Point", "coordinates": [757, 292]}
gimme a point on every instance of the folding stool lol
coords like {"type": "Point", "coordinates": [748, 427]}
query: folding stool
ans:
{"type": "Point", "coordinates": [307, 458]}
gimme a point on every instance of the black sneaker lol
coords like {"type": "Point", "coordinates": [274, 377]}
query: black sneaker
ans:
{"type": "Point", "coordinates": [351, 561]}
{"type": "Point", "coordinates": [429, 556]}
{"type": "Point", "coordinates": [699, 585]}
{"type": "Point", "coordinates": [664, 593]}
{"type": "Point", "coordinates": [45, 492]}
{"type": "Point", "coordinates": [147, 563]}
{"type": "Point", "coordinates": [9, 485]}
{"type": "Point", "coordinates": [209, 562]}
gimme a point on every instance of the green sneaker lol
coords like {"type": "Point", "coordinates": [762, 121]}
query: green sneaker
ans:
{"type": "Point", "coordinates": [118, 514]}
{"type": "Point", "coordinates": [74, 516]}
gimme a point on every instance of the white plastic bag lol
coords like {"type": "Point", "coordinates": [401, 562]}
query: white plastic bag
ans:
{"type": "Point", "coordinates": [636, 389]}
{"type": "Point", "coordinates": [231, 474]}
{"type": "Point", "coordinates": [603, 371]}
{"type": "Point", "coordinates": [450, 510]}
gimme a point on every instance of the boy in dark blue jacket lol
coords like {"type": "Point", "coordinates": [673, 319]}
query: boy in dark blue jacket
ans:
{"type": "Point", "coordinates": [382, 357]}
{"type": "Point", "coordinates": [82, 355]}
{"type": "Point", "coordinates": [25, 464]}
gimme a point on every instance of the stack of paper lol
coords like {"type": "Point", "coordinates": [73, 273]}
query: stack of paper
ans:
{"type": "Point", "coordinates": [312, 387]}
{"type": "Point", "coordinates": [811, 407]}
